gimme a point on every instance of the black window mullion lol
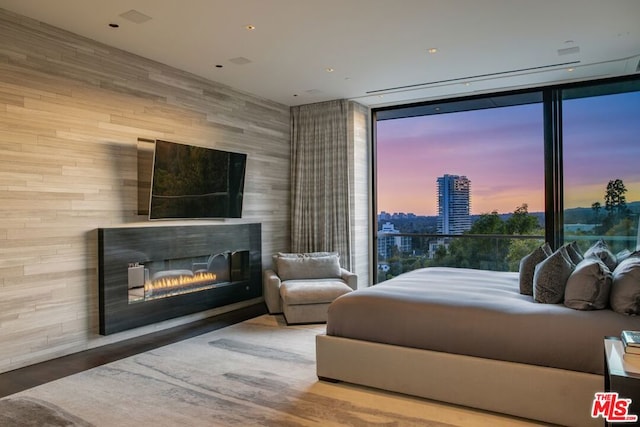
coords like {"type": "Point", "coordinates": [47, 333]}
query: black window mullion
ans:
{"type": "Point", "coordinates": [552, 111]}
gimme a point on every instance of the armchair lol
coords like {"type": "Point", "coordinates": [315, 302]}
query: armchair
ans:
{"type": "Point", "coordinates": [301, 286]}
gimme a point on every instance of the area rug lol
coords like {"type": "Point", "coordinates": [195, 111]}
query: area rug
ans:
{"type": "Point", "coordinates": [260, 372]}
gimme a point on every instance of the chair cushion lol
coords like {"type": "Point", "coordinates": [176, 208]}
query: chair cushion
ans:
{"type": "Point", "coordinates": [312, 291]}
{"type": "Point", "coordinates": [297, 268]}
{"type": "Point", "coordinates": [300, 255]}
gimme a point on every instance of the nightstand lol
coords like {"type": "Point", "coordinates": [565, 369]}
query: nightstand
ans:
{"type": "Point", "coordinates": [620, 376]}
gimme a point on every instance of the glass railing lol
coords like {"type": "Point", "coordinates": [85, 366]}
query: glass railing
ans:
{"type": "Point", "coordinates": [402, 252]}
{"type": "Point", "coordinates": [616, 244]}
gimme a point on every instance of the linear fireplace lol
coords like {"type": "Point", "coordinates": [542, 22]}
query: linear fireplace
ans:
{"type": "Point", "coordinates": [150, 274]}
{"type": "Point", "coordinates": [168, 278]}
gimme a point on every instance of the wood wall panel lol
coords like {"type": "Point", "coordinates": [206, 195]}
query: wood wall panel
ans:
{"type": "Point", "coordinates": [71, 113]}
{"type": "Point", "coordinates": [360, 174]}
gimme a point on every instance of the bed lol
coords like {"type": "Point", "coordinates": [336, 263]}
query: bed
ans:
{"type": "Point", "coordinates": [469, 337]}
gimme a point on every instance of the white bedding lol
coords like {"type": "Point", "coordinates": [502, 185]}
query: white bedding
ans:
{"type": "Point", "coordinates": [477, 313]}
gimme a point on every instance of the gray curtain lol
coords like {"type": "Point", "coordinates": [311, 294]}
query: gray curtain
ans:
{"type": "Point", "coordinates": [320, 179]}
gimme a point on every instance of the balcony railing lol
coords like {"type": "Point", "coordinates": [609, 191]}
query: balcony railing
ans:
{"type": "Point", "coordinates": [402, 252]}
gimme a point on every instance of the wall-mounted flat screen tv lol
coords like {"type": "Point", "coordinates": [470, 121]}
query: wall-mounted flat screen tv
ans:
{"type": "Point", "coordinates": [196, 182]}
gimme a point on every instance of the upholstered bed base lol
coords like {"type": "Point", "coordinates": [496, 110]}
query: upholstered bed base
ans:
{"type": "Point", "coordinates": [549, 395]}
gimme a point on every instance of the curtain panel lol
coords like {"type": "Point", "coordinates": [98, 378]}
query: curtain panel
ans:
{"type": "Point", "coordinates": [320, 179]}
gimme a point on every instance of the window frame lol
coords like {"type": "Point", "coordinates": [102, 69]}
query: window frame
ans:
{"type": "Point", "coordinates": [551, 98]}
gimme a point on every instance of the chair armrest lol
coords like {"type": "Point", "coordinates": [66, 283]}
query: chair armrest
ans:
{"type": "Point", "coordinates": [350, 278]}
{"type": "Point", "coordinates": [271, 290]}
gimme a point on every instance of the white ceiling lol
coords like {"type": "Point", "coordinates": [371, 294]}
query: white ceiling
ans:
{"type": "Point", "coordinates": [377, 48]}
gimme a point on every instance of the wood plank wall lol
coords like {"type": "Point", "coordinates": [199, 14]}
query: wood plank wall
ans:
{"type": "Point", "coordinates": [359, 137]}
{"type": "Point", "coordinates": [71, 113]}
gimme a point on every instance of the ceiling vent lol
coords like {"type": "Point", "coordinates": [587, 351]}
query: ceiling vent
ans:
{"type": "Point", "coordinates": [240, 60]}
{"type": "Point", "coordinates": [568, 50]}
{"type": "Point", "coordinates": [509, 73]}
{"type": "Point", "coordinates": [135, 16]}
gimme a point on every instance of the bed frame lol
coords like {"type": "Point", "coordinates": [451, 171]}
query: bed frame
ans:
{"type": "Point", "coordinates": [549, 395]}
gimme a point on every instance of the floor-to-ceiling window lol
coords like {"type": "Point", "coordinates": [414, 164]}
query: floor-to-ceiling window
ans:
{"type": "Point", "coordinates": [601, 164]}
{"type": "Point", "coordinates": [462, 182]}
{"type": "Point", "coordinates": [456, 181]}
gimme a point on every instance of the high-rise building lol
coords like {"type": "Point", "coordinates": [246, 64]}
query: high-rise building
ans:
{"type": "Point", "coordinates": [453, 204]}
{"type": "Point", "coordinates": [386, 241]}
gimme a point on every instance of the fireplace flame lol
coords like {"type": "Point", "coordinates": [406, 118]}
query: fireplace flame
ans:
{"type": "Point", "coordinates": [169, 284]}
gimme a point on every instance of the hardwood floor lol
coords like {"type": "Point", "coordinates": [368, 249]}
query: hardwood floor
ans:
{"type": "Point", "coordinates": [24, 378]}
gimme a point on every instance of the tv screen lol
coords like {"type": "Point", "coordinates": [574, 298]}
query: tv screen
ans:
{"type": "Point", "coordinates": [196, 182]}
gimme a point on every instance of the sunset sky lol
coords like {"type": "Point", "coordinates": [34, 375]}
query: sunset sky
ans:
{"type": "Point", "coordinates": [500, 150]}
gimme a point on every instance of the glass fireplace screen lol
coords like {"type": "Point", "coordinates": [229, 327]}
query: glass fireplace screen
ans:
{"type": "Point", "coordinates": [165, 278]}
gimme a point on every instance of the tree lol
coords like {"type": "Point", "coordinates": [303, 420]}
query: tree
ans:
{"type": "Point", "coordinates": [615, 201]}
{"type": "Point", "coordinates": [521, 222]}
{"type": "Point", "coordinates": [492, 253]}
{"type": "Point", "coordinates": [596, 206]}
{"type": "Point", "coordinates": [484, 253]}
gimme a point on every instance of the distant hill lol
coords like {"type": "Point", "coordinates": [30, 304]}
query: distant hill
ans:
{"type": "Point", "coordinates": [428, 224]}
{"type": "Point", "coordinates": [585, 215]}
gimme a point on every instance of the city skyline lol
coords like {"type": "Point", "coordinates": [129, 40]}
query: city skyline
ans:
{"type": "Point", "coordinates": [500, 150]}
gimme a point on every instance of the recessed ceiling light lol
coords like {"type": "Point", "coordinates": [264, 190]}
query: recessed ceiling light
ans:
{"type": "Point", "coordinates": [329, 70]}
{"type": "Point", "coordinates": [570, 69]}
{"type": "Point", "coordinates": [219, 66]}
{"type": "Point", "coordinates": [432, 50]}
{"type": "Point", "coordinates": [114, 25]}
{"type": "Point", "coordinates": [250, 27]}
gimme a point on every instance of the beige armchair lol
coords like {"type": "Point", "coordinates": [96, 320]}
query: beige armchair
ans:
{"type": "Point", "coordinates": [303, 285]}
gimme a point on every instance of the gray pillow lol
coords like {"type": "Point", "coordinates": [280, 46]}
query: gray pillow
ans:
{"type": "Point", "coordinates": [550, 277]}
{"type": "Point", "coordinates": [625, 289]}
{"type": "Point", "coordinates": [626, 253]}
{"type": "Point", "coordinates": [290, 268]}
{"type": "Point", "coordinates": [589, 286]}
{"type": "Point", "coordinates": [527, 266]}
{"type": "Point", "coordinates": [574, 252]}
{"type": "Point", "coordinates": [299, 255]}
{"type": "Point", "coordinates": [601, 251]}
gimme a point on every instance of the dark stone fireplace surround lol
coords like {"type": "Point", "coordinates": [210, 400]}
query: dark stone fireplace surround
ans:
{"type": "Point", "coordinates": [171, 247]}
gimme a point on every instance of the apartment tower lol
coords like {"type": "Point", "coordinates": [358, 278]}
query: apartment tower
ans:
{"type": "Point", "coordinates": [453, 204]}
